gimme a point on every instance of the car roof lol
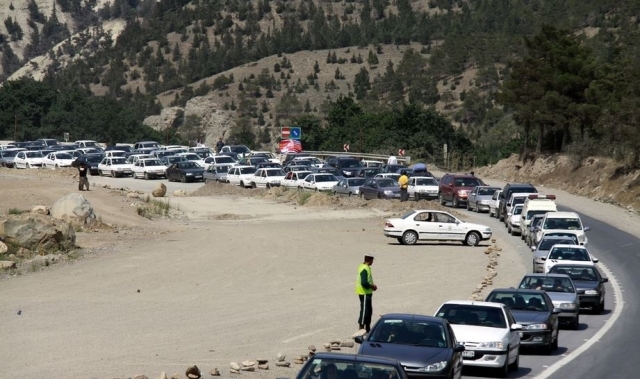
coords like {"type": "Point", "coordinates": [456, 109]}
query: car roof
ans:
{"type": "Point", "coordinates": [518, 290]}
{"type": "Point", "coordinates": [552, 237]}
{"type": "Point", "coordinates": [461, 175]}
{"type": "Point", "coordinates": [547, 275]}
{"type": "Point", "coordinates": [561, 214]}
{"type": "Point", "coordinates": [357, 357]}
{"type": "Point", "coordinates": [411, 316]}
{"type": "Point", "coordinates": [570, 246]}
{"type": "Point", "coordinates": [243, 166]}
{"type": "Point", "coordinates": [422, 177]}
{"type": "Point", "coordinates": [516, 185]}
{"type": "Point", "coordinates": [478, 303]}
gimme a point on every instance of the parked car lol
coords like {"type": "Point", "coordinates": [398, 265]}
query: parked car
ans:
{"type": "Point", "coordinates": [432, 225]}
{"type": "Point", "coordinates": [318, 182]}
{"type": "Point", "coordinates": [149, 168]}
{"type": "Point", "coordinates": [587, 279]}
{"type": "Point", "coordinates": [238, 149]}
{"type": "Point", "coordinates": [562, 292]}
{"type": "Point", "coordinates": [564, 222]}
{"type": "Point", "coordinates": [480, 197]}
{"type": "Point", "coordinates": [513, 219]}
{"type": "Point", "coordinates": [47, 141]}
{"type": "Point", "coordinates": [426, 346]}
{"type": "Point", "coordinates": [57, 160]}
{"type": "Point", "coordinates": [455, 188]}
{"type": "Point", "coordinates": [541, 250]}
{"type": "Point", "coordinates": [347, 166]}
{"type": "Point", "coordinates": [217, 173]}
{"type": "Point", "coordinates": [517, 199]}
{"type": "Point", "coordinates": [86, 143]}
{"type": "Point", "coordinates": [28, 159]}
{"type": "Point", "coordinates": [421, 187]}
{"type": "Point", "coordinates": [328, 169]}
{"type": "Point", "coordinates": [185, 172]}
{"type": "Point", "coordinates": [508, 190]}
{"type": "Point", "coordinates": [168, 161]}
{"type": "Point", "coordinates": [389, 175]}
{"type": "Point", "coordinates": [293, 179]}
{"type": "Point", "coordinates": [133, 158]}
{"type": "Point", "coordinates": [267, 178]}
{"type": "Point", "coordinates": [115, 167]}
{"type": "Point", "coordinates": [380, 188]}
{"type": "Point", "coordinates": [117, 153]}
{"type": "Point", "coordinates": [251, 161]}
{"type": "Point", "coordinates": [494, 204]}
{"type": "Point", "coordinates": [349, 366]}
{"type": "Point", "coordinates": [241, 175]}
{"type": "Point", "coordinates": [568, 254]}
{"type": "Point", "coordinates": [372, 164]}
{"type": "Point", "coordinates": [193, 157]}
{"type": "Point", "coordinates": [268, 164]}
{"type": "Point", "coordinates": [146, 147]}
{"type": "Point", "coordinates": [488, 331]}
{"type": "Point", "coordinates": [7, 156]}
{"type": "Point", "coordinates": [348, 186]}
{"type": "Point", "coordinates": [293, 168]}
{"type": "Point", "coordinates": [307, 161]}
{"type": "Point", "coordinates": [534, 310]}
{"type": "Point", "coordinates": [394, 168]}
{"type": "Point", "coordinates": [271, 157]}
{"type": "Point", "coordinates": [367, 172]}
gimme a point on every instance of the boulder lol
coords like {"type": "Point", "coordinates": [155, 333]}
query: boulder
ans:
{"type": "Point", "coordinates": [280, 357]}
{"type": "Point", "coordinates": [38, 233]}
{"type": "Point", "coordinates": [263, 366]}
{"type": "Point", "coordinates": [214, 372]}
{"type": "Point", "coordinates": [234, 366]}
{"type": "Point", "coordinates": [41, 209]}
{"type": "Point", "coordinates": [175, 375]}
{"type": "Point", "coordinates": [347, 344]}
{"type": "Point", "coordinates": [73, 208]}
{"type": "Point", "coordinates": [133, 195]}
{"type": "Point", "coordinates": [7, 264]}
{"type": "Point", "coordinates": [180, 192]}
{"type": "Point", "coordinates": [248, 363]}
{"type": "Point", "coordinates": [283, 364]}
{"type": "Point", "coordinates": [193, 372]}
{"type": "Point", "coordinates": [262, 361]}
{"type": "Point", "coordinates": [248, 368]}
{"type": "Point", "coordinates": [3, 248]}
{"type": "Point", "coordinates": [160, 190]}
{"type": "Point", "coordinates": [163, 375]}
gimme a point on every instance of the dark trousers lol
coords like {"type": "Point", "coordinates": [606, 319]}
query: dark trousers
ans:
{"type": "Point", "coordinates": [84, 182]}
{"type": "Point", "coordinates": [404, 195]}
{"type": "Point", "coordinates": [366, 309]}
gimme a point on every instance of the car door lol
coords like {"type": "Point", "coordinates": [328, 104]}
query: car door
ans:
{"type": "Point", "coordinates": [411, 190]}
{"type": "Point", "coordinates": [449, 228]}
{"type": "Point", "coordinates": [342, 187]}
{"type": "Point", "coordinates": [514, 335]}
{"type": "Point", "coordinates": [366, 189]}
{"type": "Point", "coordinates": [426, 226]}
{"type": "Point", "coordinates": [307, 182]}
{"type": "Point", "coordinates": [19, 160]}
{"type": "Point", "coordinates": [446, 189]}
{"type": "Point", "coordinates": [472, 198]}
{"type": "Point", "coordinates": [457, 360]}
{"type": "Point", "coordinates": [289, 180]}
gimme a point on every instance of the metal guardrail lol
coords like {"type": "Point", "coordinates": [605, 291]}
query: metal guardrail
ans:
{"type": "Point", "coordinates": [378, 157]}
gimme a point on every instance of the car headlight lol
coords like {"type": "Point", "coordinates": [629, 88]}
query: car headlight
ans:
{"type": "Point", "coordinates": [388, 192]}
{"type": "Point", "coordinates": [539, 260]}
{"type": "Point", "coordinates": [536, 327]}
{"type": "Point", "coordinates": [485, 202]}
{"type": "Point", "coordinates": [591, 292]}
{"type": "Point", "coordinates": [569, 306]}
{"type": "Point", "coordinates": [582, 238]}
{"type": "Point", "coordinates": [438, 366]}
{"type": "Point", "coordinates": [491, 345]}
{"type": "Point", "coordinates": [462, 192]}
{"type": "Point", "coordinates": [487, 230]}
{"type": "Point", "coordinates": [189, 173]}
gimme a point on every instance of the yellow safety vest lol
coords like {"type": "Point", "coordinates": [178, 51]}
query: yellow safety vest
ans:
{"type": "Point", "coordinates": [360, 290]}
{"type": "Point", "coordinates": [404, 181]}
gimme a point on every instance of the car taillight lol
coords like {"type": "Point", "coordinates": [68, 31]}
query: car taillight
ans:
{"type": "Point", "coordinates": [388, 225]}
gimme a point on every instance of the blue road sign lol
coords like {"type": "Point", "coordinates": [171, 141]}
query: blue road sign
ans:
{"type": "Point", "coordinates": [295, 132]}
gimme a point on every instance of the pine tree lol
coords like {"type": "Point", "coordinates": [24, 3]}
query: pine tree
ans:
{"type": "Point", "coordinates": [316, 68]}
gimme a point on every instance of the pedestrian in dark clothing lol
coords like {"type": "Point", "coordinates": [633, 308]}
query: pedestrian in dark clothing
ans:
{"type": "Point", "coordinates": [83, 182]}
{"type": "Point", "coordinates": [364, 289]}
{"type": "Point", "coordinates": [219, 145]}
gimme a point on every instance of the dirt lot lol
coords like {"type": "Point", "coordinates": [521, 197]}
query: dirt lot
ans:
{"type": "Point", "coordinates": [238, 276]}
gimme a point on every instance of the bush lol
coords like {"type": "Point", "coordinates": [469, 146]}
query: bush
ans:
{"type": "Point", "coordinates": [303, 197]}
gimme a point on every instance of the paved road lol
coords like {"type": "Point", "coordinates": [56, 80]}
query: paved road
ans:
{"type": "Point", "coordinates": [614, 248]}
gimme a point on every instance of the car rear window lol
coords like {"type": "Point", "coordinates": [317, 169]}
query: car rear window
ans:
{"type": "Point", "coordinates": [473, 315]}
{"type": "Point", "coordinates": [466, 182]}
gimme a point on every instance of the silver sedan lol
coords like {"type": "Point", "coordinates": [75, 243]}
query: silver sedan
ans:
{"type": "Point", "coordinates": [479, 198]}
{"type": "Point", "coordinates": [349, 187]}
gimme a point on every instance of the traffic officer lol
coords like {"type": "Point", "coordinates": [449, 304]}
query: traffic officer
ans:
{"type": "Point", "coordinates": [364, 289]}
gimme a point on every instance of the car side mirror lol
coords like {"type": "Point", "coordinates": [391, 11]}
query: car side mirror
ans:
{"type": "Point", "coordinates": [543, 258]}
{"type": "Point", "coordinates": [457, 222]}
{"type": "Point", "coordinates": [604, 280]}
{"type": "Point", "coordinates": [556, 311]}
{"type": "Point", "coordinates": [587, 228]}
{"type": "Point", "coordinates": [459, 348]}
{"type": "Point", "coordinates": [595, 260]}
{"type": "Point", "coordinates": [533, 248]}
{"type": "Point", "coordinates": [516, 327]}
{"type": "Point", "coordinates": [509, 214]}
{"type": "Point", "coordinates": [359, 339]}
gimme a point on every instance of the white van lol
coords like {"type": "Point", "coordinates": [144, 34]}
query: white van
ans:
{"type": "Point", "coordinates": [516, 198]}
{"type": "Point", "coordinates": [562, 222]}
{"type": "Point", "coordinates": [535, 205]}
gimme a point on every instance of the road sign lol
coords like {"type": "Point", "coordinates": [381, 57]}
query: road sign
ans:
{"type": "Point", "coordinates": [66, 137]}
{"type": "Point", "coordinates": [401, 152]}
{"type": "Point", "coordinates": [285, 132]}
{"type": "Point", "coordinates": [295, 132]}
{"type": "Point", "coordinates": [345, 147]}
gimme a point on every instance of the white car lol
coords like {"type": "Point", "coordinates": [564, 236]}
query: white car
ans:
{"type": "Point", "coordinates": [149, 168]}
{"type": "Point", "coordinates": [136, 157]}
{"type": "Point", "coordinates": [488, 331]}
{"type": "Point", "coordinates": [422, 187]}
{"type": "Point", "coordinates": [568, 255]}
{"type": "Point", "coordinates": [115, 153]}
{"type": "Point", "coordinates": [115, 167]}
{"type": "Point", "coordinates": [193, 157]}
{"type": "Point", "coordinates": [57, 160]}
{"type": "Point", "coordinates": [218, 160]}
{"type": "Point", "coordinates": [315, 162]}
{"type": "Point", "coordinates": [267, 178]}
{"type": "Point", "coordinates": [294, 179]}
{"type": "Point", "coordinates": [28, 159]}
{"type": "Point", "coordinates": [563, 222]}
{"type": "Point", "coordinates": [241, 175]}
{"type": "Point", "coordinates": [513, 219]}
{"type": "Point", "coordinates": [494, 203]}
{"type": "Point", "coordinates": [268, 155]}
{"type": "Point", "coordinates": [433, 225]}
{"type": "Point", "coordinates": [318, 182]}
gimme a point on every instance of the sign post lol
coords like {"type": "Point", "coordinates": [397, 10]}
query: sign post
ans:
{"type": "Point", "coordinates": [285, 132]}
{"type": "Point", "coordinates": [66, 137]}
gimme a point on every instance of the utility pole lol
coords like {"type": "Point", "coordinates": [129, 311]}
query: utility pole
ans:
{"type": "Point", "coordinates": [15, 127]}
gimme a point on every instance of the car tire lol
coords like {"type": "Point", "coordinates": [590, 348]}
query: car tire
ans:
{"type": "Point", "coordinates": [554, 344]}
{"type": "Point", "coordinates": [316, 190]}
{"type": "Point", "coordinates": [400, 241]}
{"type": "Point", "coordinates": [468, 206]}
{"type": "Point", "coordinates": [146, 176]}
{"type": "Point", "coordinates": [379, 195]}
{"type": "Point", "coordinates": [242, 184]}
{"type": "Point", "coordinates": [472, 239]}
{"type": "Point", "coordinates": [268, 186]}
{"type": "Point", "coordinates": [477, 208]}
{"type": "Point", "coordinates": [441, 200]}
{"type": "Point", "coordinates": [601, 307]}
{"type": "Point", "coordinates": [576, 323]}
{"type": "Point", "coordinates": [57, 166]}
{"type": "Point", "coordinates": [409, 237]}
{"type": "Point", "coordinates": [100, 172]}
{"type": "Point", "coordinates": [27, 165]}
{"type": "Point", "coordinates": [515, 365]}
{"type": "Point", "coordinates": [113, 174]}
{"type": "Point", "coordinates": [206, 181]}
{"type": "Point", "coordinates": [350, 194]}
{"type": "Point", "coordinates": [183, 178]}
{"type": "Point", "coordinates": [504, 370]}
{"type": "Point", "coordinates": [253, 185]}
{"type": "Point", "coordinates": [455, 202]}
{"type": "Point", "coordinates": [361, 195]}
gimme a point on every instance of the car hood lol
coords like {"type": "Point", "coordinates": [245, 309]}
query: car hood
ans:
{"type": "Point", "coordinates": [562, 296]}
{"type": "Point", "coordinates": [394, 189]}
{"type": "Point", "coordinates": [326, 184]}
{"type": "Point", "coordinates": [473, 333]}
{"type": "Point", "coordinates": [514, 219]}
{"type": "Point", "coordinates": [192, 170]}
{"type": "Point", "coordinates": [529, 317]}
{"type": "Point", "coordinates": [484, 197]}
{"type": "Point", "coordinates": [586, 284]}
{"type": "Point", "coordinates": [407, 355]}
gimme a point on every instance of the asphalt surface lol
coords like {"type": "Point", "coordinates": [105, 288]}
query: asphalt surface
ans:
{"type": "Point", "coordinates": [618, 254]}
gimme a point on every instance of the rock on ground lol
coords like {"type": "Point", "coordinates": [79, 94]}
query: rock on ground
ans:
{"type": "Point", "coordinates": [38, 233]}
{"type": "Point", "coordinates": [73, 208]}
{"type": "Point", "coordinates": [160, 190]}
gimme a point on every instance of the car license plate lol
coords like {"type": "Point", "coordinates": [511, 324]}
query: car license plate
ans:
{"type": "Point", "coordinates": [468, 354]}
{"type": "Point", "coordinates": [198, 176]}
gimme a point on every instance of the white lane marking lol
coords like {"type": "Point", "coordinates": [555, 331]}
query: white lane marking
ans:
{"type": "Point", "coordinates": [304, 335]}
{"type": "Point", "coordinates": [617, 292]}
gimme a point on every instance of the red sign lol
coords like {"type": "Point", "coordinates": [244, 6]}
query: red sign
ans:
{"type": "Point", "coordinates": [290, 146]}
{"type": "Point", "coordinates": [285, 132]}
{"type": "Point", "coordinates": [345, 147]}
{"type": "Point", "coordinates": [401, 152]}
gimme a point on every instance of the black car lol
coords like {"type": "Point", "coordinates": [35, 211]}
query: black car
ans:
{"type": "Point", "coordinates": [509, 190]}
{"type": "Point", "coordinates": [349, 366]}
{"type": "Point", "coordinates": [534, 310]}
{"type": "Point", "coordinates": [425, 345]}
{"type": "Point", "coordinates": [367, 172]}
{"type": "Point", "coordinates": [185, 172]}
{"type": "Point", "coordinates": [348, 166]}
{"type": "Point", "coordinates": [394, 168]}
{"type": "Point", "coordinates": [92, 160]}
{"type": "Point", "coordinates": [586, 278]}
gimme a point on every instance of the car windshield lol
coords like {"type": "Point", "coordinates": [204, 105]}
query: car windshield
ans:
{"type": "Point", "coordinates": [275, 173]}
{"type": "Point", "coordinates": [466, 182]}
{"type": "Point", "coordinates": [349, 163]}
{"type": "Point", "coordinates": [64, 156]}
{"type": "Point", "coordinates": [118, 153]}
{"type": "Point", "coordinates": [124, 148]}
{"type": "Point", "coordinates": [90, 144]}
{"type": "Point", "coordinates": [326, 178]}
{"type": "Point", "coordinates": [518, 200]}
{"type": "Point", "coordinates": [517, 301]}
{"type": "Point", "coordinates": [176, 159]}
{"type": "Point", "coordinates": [387, 183]}
{"type": "Point", "coordinates": [161, 154]}
{"type": "Point", "coordinates": [426, 182]}
{"type": "Point", "coordinates": [530, 214]}
{"type": "Point", "coordinates": [409, 332]}
{"type": "Point", "coordinates": [517, 210]}
{"type": "Point", "coordinates": [548, 283]}
{"type": "Point", "coordinates": [33, 154]}
{"type": "Point", "coordinates": [153, 162]}
{"type": "Point", "coordinates": [192, 157]}
{"type": "Point", "coordinates": [222, 169]}
{"type": "Point", "coordinates": [9, 154]}
{"type": "Point", "coordinates": [569, 223]}
{"type": "Point", "coordinates": [547, 243]}
{"type": "Point", "coordinates": [569, 254]}
{"type": "Point", "coordinates": [355, 182]}
{"type": "Point", "coordinates": [347, 368]}
{"type": "Point", "coordinates": [247, 170]}
{"type": "Point", "coordinates": [240, 149]}
{"type": "Point", "coordinates": [119, 161]}
{"type": "Point", "coordinates": [486, 191]}
{"type": "Point", "coordinates": [473, 315]}
{"type": "Point", "coordinates": [576, 272]}
{"type": "Point", "coordinates": [224, 159]}
{"type": "Point", "coordinates": [187, 165]}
